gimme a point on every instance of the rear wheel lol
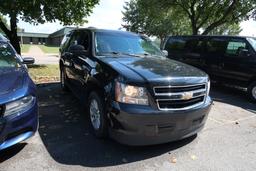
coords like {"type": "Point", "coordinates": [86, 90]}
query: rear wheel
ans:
{"type": "Point", "coordinates": [97, 115]}
{"type": "Point", "coordinates": [251, 91]}
{"type": "Point", "coordinates": [63, 79]}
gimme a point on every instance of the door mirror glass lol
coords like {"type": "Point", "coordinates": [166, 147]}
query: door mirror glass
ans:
{"type": "Point", "coordinates": [28, 60]}
{"type": "Point", "coordinates": [243, 52]}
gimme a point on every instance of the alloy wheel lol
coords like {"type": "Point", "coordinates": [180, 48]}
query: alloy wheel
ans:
{"type": "Point", "coordinates": [95, 114]}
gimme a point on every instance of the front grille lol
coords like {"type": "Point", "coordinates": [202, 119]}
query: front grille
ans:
{"type": "Point", "coordinates": [180, 97]}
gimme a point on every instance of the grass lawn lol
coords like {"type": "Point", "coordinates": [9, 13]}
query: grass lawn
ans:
{"type": "Point", "coordinates": [44, 73]}
{"type": "Point", "coordinates": [49, 49]}
{"type": "Point", "coordinates": [25, 48]}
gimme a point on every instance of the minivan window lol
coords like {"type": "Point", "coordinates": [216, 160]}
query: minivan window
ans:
{"type": "Point", "coordinates": [106, 42]}
{"type": "Point", "coordinates": [7, 56]}
{"type": "Point", "coordinates": [252, 42]}
{"type": "Point", "coordinates": [234, 47]}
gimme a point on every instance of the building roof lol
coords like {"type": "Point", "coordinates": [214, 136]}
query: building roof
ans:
{"type": "Point", "coordinates": [29, 34]}
{"type": "Point", "coordinates": [61, 32]}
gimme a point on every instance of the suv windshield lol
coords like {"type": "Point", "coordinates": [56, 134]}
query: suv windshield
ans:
{"type": "Point", "coordinates": [252, 42]}
{"type": "Point", "coordinates": [123, 43]}
{"type": "Point", "coordinates": [7, 56]}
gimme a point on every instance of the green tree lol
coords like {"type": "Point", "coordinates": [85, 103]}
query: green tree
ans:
{"type": "Point", "coordinates": [149, 18]}
{"type": "Point", "coordinates": [187, 16]}
{"type": "Point", "coordinates": [34, 11]}
{"type": "Point", "coordinates": [227, 29]}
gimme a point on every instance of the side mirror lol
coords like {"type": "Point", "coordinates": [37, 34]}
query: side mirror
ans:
{"type": "Point", "coordinates": [77, 50]}
{"type": "Point", "coordinates": [28, 60]}
{"type": "Point", "coordinates": [165, 52]}
{"type": "Point", "coordinates": [244, 52]}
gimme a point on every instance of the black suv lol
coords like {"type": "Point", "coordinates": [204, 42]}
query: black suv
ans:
{"type": "Point", "coordinates": [131, 91]}
{"type": "Point", "coordinates": [227, 59]}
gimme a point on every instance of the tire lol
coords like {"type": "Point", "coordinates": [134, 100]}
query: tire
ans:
{"type": "Point", "coordinates": [251, 91]}
{"type": "Point", "coordinates": [97, 115]}
{"type": "Point", "coordinates": [63, 80]}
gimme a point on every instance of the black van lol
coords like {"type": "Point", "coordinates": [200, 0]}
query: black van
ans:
{"type": "Point", "coordinates": [227, 59]}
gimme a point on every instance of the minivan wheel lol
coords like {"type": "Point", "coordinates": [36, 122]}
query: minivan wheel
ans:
{"type": "Point", "coordinates": [251, 90]}
{"type": "Point", "coordinates": [97, 115]}
{"type": "Point", "coordinates": [63, 81]}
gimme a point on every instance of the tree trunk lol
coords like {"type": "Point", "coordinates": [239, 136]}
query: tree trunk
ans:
{"type": "Point", "coordinates": [194, 28]}
{"type": "Point", "coordinates": [13, 33]}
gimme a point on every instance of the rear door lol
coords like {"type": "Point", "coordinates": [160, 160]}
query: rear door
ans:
{"type": "Point", "coordinates": [238, 65]}
{"type": "Point", "coordinates": [213, 54]}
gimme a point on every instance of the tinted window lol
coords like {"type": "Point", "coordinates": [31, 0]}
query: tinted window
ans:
{"type": "Point", "coordinates": [235, 46]}
{"type": "Point", "coordinates": [107, 42]}
{"type": "Point", "coordinates": [83, 39]}
{"type": "Point", "coordinates": [216, 46]}
{"type": "Point", "coordinates": [193, 45]}
{"type": "Point", "coordinates": [183, 44]}
{"type": "Point", "coordinates": [7, 56]}
{"type": "Point", "coordinates": [175, 44]}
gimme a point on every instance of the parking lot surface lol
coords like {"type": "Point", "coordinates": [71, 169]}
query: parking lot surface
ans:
{"type": "Point", "coordinates": [64, 140]}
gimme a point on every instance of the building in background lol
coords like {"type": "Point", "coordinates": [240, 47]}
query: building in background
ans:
{"type": "Point", "coordinates": [53, 39]}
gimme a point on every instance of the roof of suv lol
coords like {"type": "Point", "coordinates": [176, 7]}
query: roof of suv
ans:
{"type": "Point", "coordinates": [224, 36]}
{"type": "Point", "coordinates": [93, 29]}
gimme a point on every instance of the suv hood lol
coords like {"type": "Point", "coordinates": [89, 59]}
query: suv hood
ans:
{"type": "Point", "coordinates": [152, 68]}
{"type": "Point", "coordinates": [11, 80]}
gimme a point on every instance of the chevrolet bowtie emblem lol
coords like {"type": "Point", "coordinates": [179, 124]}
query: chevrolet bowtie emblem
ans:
{"type": "Point", "coordinates": [187, 95]}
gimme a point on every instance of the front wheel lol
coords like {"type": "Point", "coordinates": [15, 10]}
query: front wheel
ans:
{"type": "Point", "coordinates": [97, 115]}
{"type": "Point", "coordinates": [251, 91]}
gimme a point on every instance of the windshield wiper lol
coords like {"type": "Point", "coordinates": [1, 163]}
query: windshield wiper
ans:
{"type": "Point", "coordinates": [121, 53]}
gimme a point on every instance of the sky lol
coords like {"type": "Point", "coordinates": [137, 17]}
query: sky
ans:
{"type": "Point", "coordinates": [108, 15]}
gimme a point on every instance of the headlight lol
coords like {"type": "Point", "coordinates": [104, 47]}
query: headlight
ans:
{"type": "Point", "coordinates": [19, 106]}
{"type": "Point", "coordinates": [208, 87]}
{"type": "Point", "coordinates": [131, 94]}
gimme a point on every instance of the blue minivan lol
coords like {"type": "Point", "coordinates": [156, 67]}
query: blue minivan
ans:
{"type": "Point", "coordinates": [18, 101]}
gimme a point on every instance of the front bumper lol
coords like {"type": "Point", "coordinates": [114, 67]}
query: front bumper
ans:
{"type": "Point", "coordinates": [15, 129]}
{"type": "Point", "coordinates": [140, 125]}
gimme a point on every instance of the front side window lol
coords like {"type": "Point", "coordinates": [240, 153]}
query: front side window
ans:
{"type": "Point", "coordinates": [119, 42]}
{"type": "Point", "coordinates": [234, 47]}
{"type": "Point", "coordinates": [7, 56]}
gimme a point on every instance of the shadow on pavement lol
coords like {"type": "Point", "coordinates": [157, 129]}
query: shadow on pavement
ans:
{"type": "Point", "coordinates": [66, 135]}
{"type": "Point", "coordinates": [232, 96]}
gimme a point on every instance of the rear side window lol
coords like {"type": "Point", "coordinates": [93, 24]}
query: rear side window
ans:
{"type": "Point", "coordinates": [216, 46]}
{"type": "Point", "coordinates": [235, 46]}
{"type": "Point", "coordinates": [175, 44]}
{"type": "Point", "coordinates": [183, 44]}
